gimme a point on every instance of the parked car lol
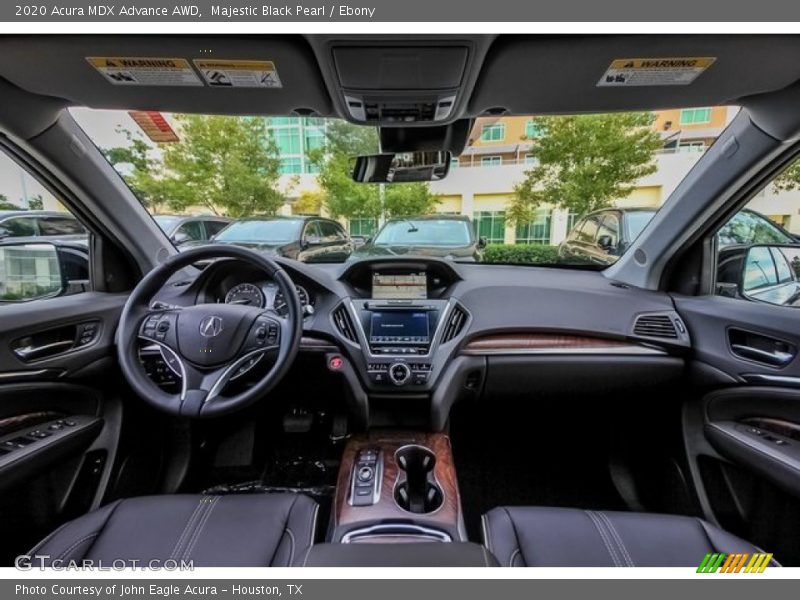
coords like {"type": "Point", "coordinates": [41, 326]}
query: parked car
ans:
{"type": "Point", "coordinates": [39, 225]}
{"type": "Point", "coordinates": [182, 229]}
{"type": "Point", "coordinates": [601, 237]}
{"type": "Point", "coordinates": [441, 236]}
{"type": "Point", "coordinates": [307, 239]}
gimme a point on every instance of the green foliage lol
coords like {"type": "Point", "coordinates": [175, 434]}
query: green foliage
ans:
{"type": "Point", "coordinates": [226, 164]}
{"type": "Point", "coordinates": [788, 180]}
{"type": "Point", "coordinates": [6, 205]}
{"type": "Point", "coordinates": [347, 198]}
{"type": "Point", "coordinates": [521, 253]}
{"type": "Point", "coordinates": [585, 162]}
{"type": "Point", "coordinates": [36, 202]}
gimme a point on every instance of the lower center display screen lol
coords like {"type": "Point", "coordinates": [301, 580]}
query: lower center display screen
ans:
{"type": "Point", "coordinates": [399, 326]}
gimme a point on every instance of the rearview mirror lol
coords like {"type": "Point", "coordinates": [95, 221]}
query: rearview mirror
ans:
{"type": "Point", "coordinates": [404, 167]}
{"type": "Point", "coordinates": [29, 272]}
{"type": "Point", "coordinates": [769, 274]}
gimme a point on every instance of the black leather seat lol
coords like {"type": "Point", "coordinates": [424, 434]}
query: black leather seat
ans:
{"type": "Point", "coordinates": [566, 537]}
{"type": "Point", "coordinates": [250, 530]}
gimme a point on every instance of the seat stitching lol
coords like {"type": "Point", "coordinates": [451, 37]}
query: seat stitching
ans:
{"type": "Point", "coordinates": [286, 526]}
{"type": "Point", "coordinates": [615, 534]}
{"type": "Point", "coordinates": [41, 544]}
{"type": "Point", "coordinates": [71, 548]}
{"type": "Point", "coordinates": [485, 556]}
{"type": "Point", "coordinates": [291, 552]}
{"type": "Point", "coordinates": [199, 529]}
{"type": "Point", "coordinates": [514, 529]}
{"type": "Point", "coordinates": [513, 556]}
{"type": "Point", "coordinates": [485, 531]}
{"type": "Point", "coordinates": [187, 528]}
{"type": "Point", "coordinates": [605, 539]}
{"type": "Point", "coordinates": [308, 553]}
{"type": "Point", "coordinates": [313, 525]}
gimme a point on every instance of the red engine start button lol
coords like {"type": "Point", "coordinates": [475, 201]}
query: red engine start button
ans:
{"type": "Point", "coordinates": [335, 363]}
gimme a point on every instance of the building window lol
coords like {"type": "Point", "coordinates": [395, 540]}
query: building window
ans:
{"type": "Point", "coordinates": [531, 160]}
{"type": "Point", "coordinates": [491, 161]}
{"type": "Point", "coordinates": [695, 116]}
{"type": "Point", "coordinates": [496, 132]}
{"type": "Point", "coordinates": [363, 226]}
{"type": "Point", "coordinates": [532, 130]}
{"type": "Point", "coordinates": [490, 225]}
{"type": "Point", "coordinates": [691, 147]}
{"type": "Point", "coordinates": [291, 165]}
{"type": "Point", "coordinates": [536, 231]}
{"type": "Point", "coordinates": [454, 164]}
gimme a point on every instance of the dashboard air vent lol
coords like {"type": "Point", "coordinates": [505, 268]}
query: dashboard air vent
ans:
{"type": "Point", "coordinates": [344, 324]}
{"type": "Point", "coordinates": [655, 326]}
{"type": "Point", "coordinates": [455, 323]}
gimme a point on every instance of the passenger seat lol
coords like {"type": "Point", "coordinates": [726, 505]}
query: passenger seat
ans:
{"type": "Point", "coordinates": [566, 537]}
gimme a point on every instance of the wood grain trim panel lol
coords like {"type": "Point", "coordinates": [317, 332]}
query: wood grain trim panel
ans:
{"type": "Point", "coordinates": [447, 516]}
{"type": "Point", "coordinates": [549, 342]}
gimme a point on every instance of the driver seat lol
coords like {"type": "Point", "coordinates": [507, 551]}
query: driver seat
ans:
{"type": "Point", "coordinates": [246, 530]}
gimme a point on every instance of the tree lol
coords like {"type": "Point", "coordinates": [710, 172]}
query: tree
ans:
{"type": "Point", "coordinates": [584, 162]}
{"type": "Point", "coordinates": [788, 180]}
{"type": "Point", "coordinates": [347, 198]}
{"type": "Point", "coordinates": [6, 205]}
{"type": "Point", "coordinates": [36, 202]}
{"type": "Point", "coordinates": [308, 203]}
{"type": "Point", "coordinates": [226, 164]}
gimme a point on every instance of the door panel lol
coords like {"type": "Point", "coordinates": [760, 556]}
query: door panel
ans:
{"type": "Point", "coordinates": [60, 412]}
{"type": "Point", "coordinates": [743, 441]}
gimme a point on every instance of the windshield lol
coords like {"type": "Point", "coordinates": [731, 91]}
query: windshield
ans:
{"type": "Point", "coordinates": [424, 232]}
{"type": "Point", "coordinates": [276, 231]}
{"type": "Point", "coordinates": [526, 189]}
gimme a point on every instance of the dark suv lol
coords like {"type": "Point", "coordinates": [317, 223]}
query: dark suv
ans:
{"type": "Point", "coordinates": [307, 239]}
{"type": "Point", "coordinates": [182, 229]}
{"type": "Point", "coordinates": [603, 236]}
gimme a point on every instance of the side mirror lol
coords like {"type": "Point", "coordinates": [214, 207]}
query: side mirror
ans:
{"type": "Point", "coordinates": [311, 240]}
{"type": "Point", "coordinates": [482, 243]}
{"type": "Point", "coordinates": [180, 238]}
{"type": "Point", "coordinates": [771, 274]}
{"type": "Point", "coordinates": [606, 242]}
{"type": "Point", "coordinates": [30, 272]}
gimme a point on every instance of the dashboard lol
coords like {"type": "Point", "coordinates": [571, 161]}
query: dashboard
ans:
{"type": "Point", "coordinates": [433, 329]}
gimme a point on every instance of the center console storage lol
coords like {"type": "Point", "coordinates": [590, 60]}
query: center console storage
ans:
{"type": "Point", "coordinates": [397, 487]}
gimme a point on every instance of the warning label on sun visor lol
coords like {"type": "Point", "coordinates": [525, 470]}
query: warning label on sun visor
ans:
{"type": "Point", "coordinates": [146, 71]}
{"type": "Point", "coordinates": [239, 73]}
{"type": "Point", "coordinates": [654, 71]}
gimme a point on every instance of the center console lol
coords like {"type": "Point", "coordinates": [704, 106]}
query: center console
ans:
{"type": "Point", "coordinates": [397, 487]}
{"type": "Point", "coordinates": [399, 316]}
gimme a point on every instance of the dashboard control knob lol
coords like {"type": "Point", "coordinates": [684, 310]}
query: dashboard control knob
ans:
{"type": "Point", "coordinates": [399, 373]}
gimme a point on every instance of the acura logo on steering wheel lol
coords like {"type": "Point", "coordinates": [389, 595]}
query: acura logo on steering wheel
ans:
{"type": "Point", "coordinates": [211, 326]}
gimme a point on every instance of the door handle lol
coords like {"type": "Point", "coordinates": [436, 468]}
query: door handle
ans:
{"type": "Point", "coordinates": [34, 352]}
{"type": "Point", "coordinates": [776, 358]}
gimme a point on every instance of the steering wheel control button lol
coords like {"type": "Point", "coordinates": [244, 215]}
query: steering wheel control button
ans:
{"type": "Point", "coordinates": [399, 373]}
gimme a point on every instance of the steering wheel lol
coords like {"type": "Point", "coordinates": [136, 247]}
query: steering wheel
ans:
{"type": "Point", "coordinates": [208, 344]}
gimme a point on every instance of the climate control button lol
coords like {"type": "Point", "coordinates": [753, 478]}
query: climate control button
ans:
{"type": "Point", "coordinates": [399, 373]}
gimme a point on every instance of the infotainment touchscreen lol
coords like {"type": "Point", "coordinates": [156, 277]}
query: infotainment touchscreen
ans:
{"type": "Point", "coordinates": [411, 286]}
{"type": "Point", "coordinates": [399, 326]}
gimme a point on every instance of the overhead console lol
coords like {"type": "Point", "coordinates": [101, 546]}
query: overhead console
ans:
{"type": "Point", "coordinates": [401, 84]}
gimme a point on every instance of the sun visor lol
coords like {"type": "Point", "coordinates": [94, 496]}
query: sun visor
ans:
{"type": "Point", "coordinates": [569, 74]}
{"type": "Point", "coordinates": [212, 75]}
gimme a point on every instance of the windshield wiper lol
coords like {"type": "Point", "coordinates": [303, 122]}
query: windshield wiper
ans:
{"type": "Point", "coordinates": [413, 228]}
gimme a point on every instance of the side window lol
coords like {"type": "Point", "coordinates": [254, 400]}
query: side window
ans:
{"type": "Point", "coordinates": [60, 226]}
{"type": "Point", "coordinates": [17, 227]}
{"type": "Point", "coordinates": [214, 227]}
{"type": "Point", "coordinates": [759, 269]}
{"type": "Point", "coordinates": [44, 250]}
{"type": "Point", "coordinates": [575, 232]}
{"type": "Point", "coordinates": [608, 232]}
{"type": "Point", "coordinates": [312, 231]}
{"type": "Point", "coordinates": [331, 232]}
{"type": "Point", "coordinates": [589, 229]}
{"type": "Point", "coordinates": [191, 230]}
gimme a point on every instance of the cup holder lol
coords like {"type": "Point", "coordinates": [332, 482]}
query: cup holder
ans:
{"type": "Point", "coordinates": [416, 490]}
